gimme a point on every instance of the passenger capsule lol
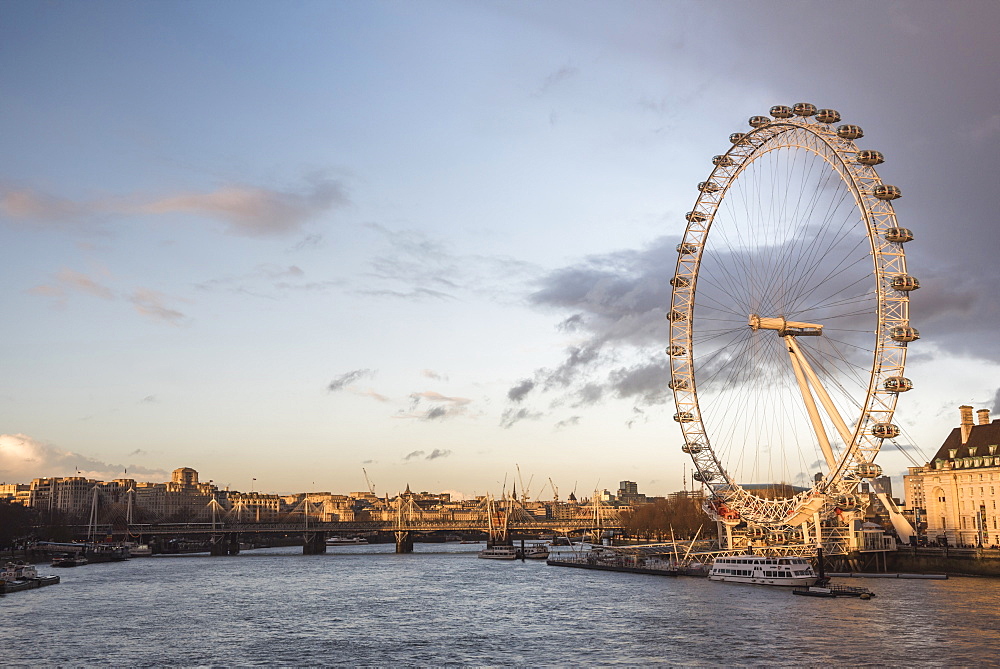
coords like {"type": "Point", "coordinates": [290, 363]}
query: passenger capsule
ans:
{"type": "Point", "coordinates": [902, 333]}
{"type": "Point", "coordinates": [687, 249]}
{"type": "Point", "coordinates": [696, 217]}
{"type": "Point", "coordinates": [737, 137]}
{"type": "Point", "coordinates": [897, 384]}
{"type": "Point", "coordinates": [759, 121]}
{"type": "Point", "coordinates": [703, 477]}
{"type": "Point", "coordinates": [850, 132]}
{"type": "Point", "coordinates": [899, 235]}
{"type": "Point", "coordinates": [756, 532]}
{"type": "Point", "coordinates": [804, 109]}
{"type": "Point", "coordinates": [905, 282]}
{"type": "Point", "coordinates": [722, 161]}
{"type": "Point", "coordinates": [676, 315]}
{"type": "Point", "coordinates": [846, 502]}
{"type": "Point", "coordinates": [708, 187]}
{"type": "Point", "coordinates": [781, 111]}
{"type": "Point", "coordinates": [678, 384]}
{"type": "Point", "coordinates": [691, 448]}
{"type": "Point", "coordinates": [868, 470]}
{"type": "Point", "coordinates": [887, 192]}
{"type": "Point", "coordinates": [683, 416]}
{"type": "Point", "coordinates": [676, 351]}
{"type": "Point", "coordinates": [885, 431]}
{"type": "Point", "coordinates": [870, 157]}
{"type": "Point", "coordinates": [828, 116]}
{"type": "Point", "coordinates": [680, 282]}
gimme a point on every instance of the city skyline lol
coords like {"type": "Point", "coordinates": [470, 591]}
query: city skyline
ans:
{"type": "Point", "coordinates": [435, 240]}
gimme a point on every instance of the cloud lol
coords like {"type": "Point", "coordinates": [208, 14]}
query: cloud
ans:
{"type": "Point", "coordinates": [251, 211]}
{"type": "Point", "coordinates": [444, 407]}
{"type": "Point", "coordinates": [517, 393]}
{"type": "Point", "coordinates": [572, 420]}
{"type": "Point", "coordinates": [149, 399]}
{"type": "Point", "coordinates": [564, 73]}
{"type": "Point", "coordinates": [152, 305]}
{"type": "Point", "coordinates": [344, 380]}
{"type": "Point", "coordinates": [512, 416]}
{"type": "Point", "coordinates": [68, 281]}
{"type": "Point", "coordinates": [413, 454]}
{"type": "Point", "coordinates": [23, 459]}
{"type": "Point", "coordinates": [438, 453]}
{"type": "Point", "coordinates": [431, 374]}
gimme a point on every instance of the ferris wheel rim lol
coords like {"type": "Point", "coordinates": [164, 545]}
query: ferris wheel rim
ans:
{"type": "Point", "coordinates": [888, 354]}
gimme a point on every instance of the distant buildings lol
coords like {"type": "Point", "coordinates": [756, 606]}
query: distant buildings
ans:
{"type": "Point", "coordinates": [954, 496]}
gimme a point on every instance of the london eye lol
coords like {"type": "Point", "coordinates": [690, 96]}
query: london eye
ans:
{"type": "Point", "coordinates": [789, 323]}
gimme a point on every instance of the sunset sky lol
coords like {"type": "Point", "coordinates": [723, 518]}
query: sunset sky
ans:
{"type": "Point", "coordinates": [284, 241]}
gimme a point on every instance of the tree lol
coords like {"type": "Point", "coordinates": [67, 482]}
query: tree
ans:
{"type": "Point", "coordinates": [654, 521]}
{"type": "Point", "coordinates": [16, 523]}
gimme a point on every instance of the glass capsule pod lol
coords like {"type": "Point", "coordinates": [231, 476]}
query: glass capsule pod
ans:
{"type": "Point", "coordinates": [870, 157]}
{"type": "Point", "coordinates": [781, 111]}
{"type": "Point", "coordinates": [683, 416]}
{"type": "Point", "coordinates": [737, 137]}
{"type": "Point", "coordinates": [676, 351]}
{"type": "Point", "coordinates": [804, 109]}
{"type": "Point", "coordinates": [687, 248]}
{"type": "Point", "coordinates": [905, 282]}
{"type": "Point", "coordinates": [777, 538]}
{"type": "Point", "coordinates": [868, 470]}
{"type": "Point", "coordinates": [904, 333]}
{"type": "Point", "coordinates": [708, 187]}
{"type": "Point", "coordinates": [676, 315]}
{"type": "Point", "coordinates": [850, 132]}
{"type": "Point", "coordinates": [827, 115]}
{"type": "Point", "coordinates": [847, 502]}
{"type": "Point", "coordinates": [756, 532]}
{"type": "Point", "coordinates": [692, 447]}
{"type": "Point", "coordinates": [899, 235]}
{"type": "Point", "coordinates": [678, 384]}
{"type": "Point", "coordinates": [885, 431]}
{"type": "Point", "coordinates": [897, 384]}
{"type": "Point", "coordinates": [696, 217]}
{"type": "Point", "coordinates": [680, 282]}
{"type": "Point", "coordinates": [703, 477]}
{"type": "Point", "coordinates": [759, 121]}
{"type": "Point", "coordinates": [722, 161]}
{"type": "Point", "coordinates": [887, 192]}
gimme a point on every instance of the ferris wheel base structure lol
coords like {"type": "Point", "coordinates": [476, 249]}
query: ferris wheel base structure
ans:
{"type": "Point", "coordinates": [792, 236]}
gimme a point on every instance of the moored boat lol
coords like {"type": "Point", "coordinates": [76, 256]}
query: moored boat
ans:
{"type": "Point", "coordinates": [499, 553]}
{"type": "Point", "coordinates": [69, 560]}
{"type": "Point", "coordinates": [351, 541]}
{"type": "Point", "coordinates": [763, 570]}
{"type": "Point", "coordinates": [536, 551]}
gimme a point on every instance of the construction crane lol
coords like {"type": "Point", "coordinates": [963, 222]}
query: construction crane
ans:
{"type": "Point", "coordinates": [371, 487]}
{"type": "Point", "coordinates": [555, 490]}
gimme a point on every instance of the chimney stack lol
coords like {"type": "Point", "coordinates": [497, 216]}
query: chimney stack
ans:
{"type": "Point", "coordinates": [966, 412]}
{"type": "Point", "coordinates": [984, 416]}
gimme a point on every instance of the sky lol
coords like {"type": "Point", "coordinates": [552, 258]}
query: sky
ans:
{"type": "Point", "coordinates": [283, 242]}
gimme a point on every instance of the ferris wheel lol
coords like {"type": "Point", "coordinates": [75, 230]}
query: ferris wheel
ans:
{"type": "Point", "coordinates": [789, 320]}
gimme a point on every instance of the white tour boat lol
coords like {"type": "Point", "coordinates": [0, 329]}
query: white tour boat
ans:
{"type": "Point", "coordinates": [341, 541]}
{"type": "Point", "coordinates": [536, 551]}
{"type": "Point", "coordinates": [763, 570]}
{"type": "Point", "coordinates": [498, 553]}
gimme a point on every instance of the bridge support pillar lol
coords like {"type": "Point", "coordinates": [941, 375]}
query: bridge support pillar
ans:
{"type": "Point", "coordinates": [217, 545]}
{"type": "Point", "coordinates": [404, 542]}
{"type": "Point", "coordinates": [234, 543]}
{"type": "Point", "coordinates": [313, 543]}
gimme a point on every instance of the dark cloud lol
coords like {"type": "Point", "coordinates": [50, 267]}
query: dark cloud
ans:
{"type": "Point", "coordinates": [438, 453]}
{"type": "Point", "coordinates": [517, 393]}
{"type": "Point", "coordinates": [435, 413]}
{"type": "Point", "coordinates": [348, 378]}
{"type": "Point", "coordinates": [413, 454]}
{"type": "Point", "coordinates": [137, 451]}
{"type": "Point", "coordinates": [512, 416]}
{"type": "Point", "coordinates": [572, 420]}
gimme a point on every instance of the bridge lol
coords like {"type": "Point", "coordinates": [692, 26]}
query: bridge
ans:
{"type": "Point", "coordinates": [501, 520]}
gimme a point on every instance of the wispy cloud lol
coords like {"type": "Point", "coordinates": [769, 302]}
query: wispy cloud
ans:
{"type": "Point", "coordinates": [443, 407]}
{"type": "Point", "coordinates": [347, 378]}
{"type": "Point", "coordinates": [152, 304]}
{"type": "Point", "coordinates": [147, 302]}
{"type": "Point", "coordinates": [252, 211]}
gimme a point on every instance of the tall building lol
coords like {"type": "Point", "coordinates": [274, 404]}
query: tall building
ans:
{"type": "Point", "coordinates": [954, 496]}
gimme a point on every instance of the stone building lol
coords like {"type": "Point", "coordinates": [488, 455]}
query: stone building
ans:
{"type": "Point", "coordinates": [954, 496]}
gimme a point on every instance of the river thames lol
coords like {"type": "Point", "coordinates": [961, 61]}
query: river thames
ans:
{"type": "Point", "coordinates": [365, 605]}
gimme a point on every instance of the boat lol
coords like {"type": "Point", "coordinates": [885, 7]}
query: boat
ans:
{"type": "Point", "coordinates": [499, 553]}
{"type": "Point", "coordinates": [536, 551]}
{"type": "Point", "coordinates": [100, 552]}
{"type": "Point", "coordinates": [18, 571]}
{"type": "Point", "coordinates": [342, 541]}
{"type": "Point", "coordinates": [69, 560]}
{"type": "Point", "coordinates": [763, 570]}
{"type": "Point", "coordinates": [138, 550]}
{"type": "Point", "coordinates": [834, 591]}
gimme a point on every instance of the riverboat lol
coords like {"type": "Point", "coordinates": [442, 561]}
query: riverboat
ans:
{"type": "Point", "coordinates": [536, 551]}
{"type": "Point", "coordinates": [499, 553]}
{"type": "Point", "coordinates": [763, 570]}
{"type": "Point", "coordinates": [834, 591]}
{"type": "Point", "coordinates": [69, 560]}
{"type": "Point", "coordinates": [341, 541]}
{"type": "Point", "coordinates": [138, 550]}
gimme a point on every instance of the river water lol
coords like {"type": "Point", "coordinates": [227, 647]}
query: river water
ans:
{"type": "Point", "coordinates": [365, 605]}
